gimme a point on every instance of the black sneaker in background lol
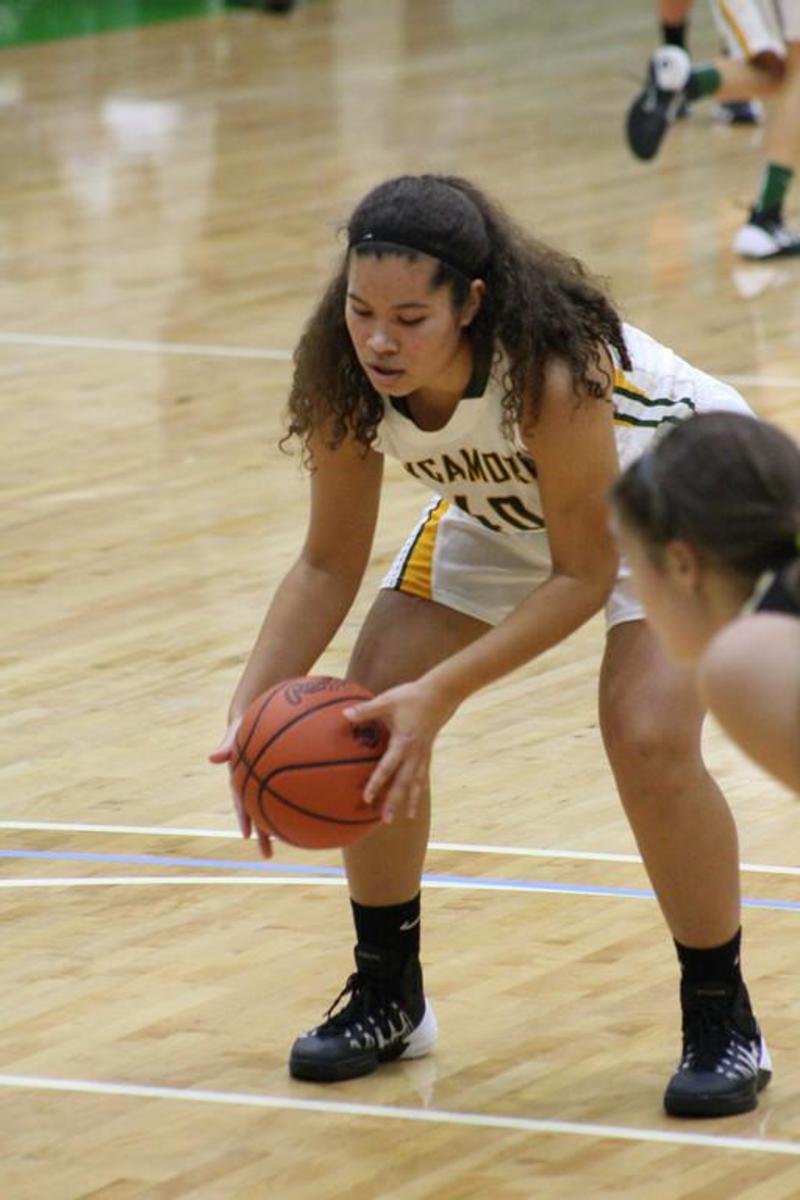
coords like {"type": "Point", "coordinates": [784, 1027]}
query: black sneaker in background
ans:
{"type": "Point", "coordinates": [738, 112]}
{"type": "Point", "coordinates": [660, 101]}
{"type": "Point", "coordinates": [725, 1061]}
{"type": "Point", "coordinates": [385, 1017]}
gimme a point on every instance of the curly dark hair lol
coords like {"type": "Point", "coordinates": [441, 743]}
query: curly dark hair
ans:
{"type": "Point", "coordinates": [539, 305]}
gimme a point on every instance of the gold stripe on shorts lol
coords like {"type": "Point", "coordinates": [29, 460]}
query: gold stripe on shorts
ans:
{"type": "Point", "coordinates": [623, 384]}
{"type": "Point", "coordinates": [736, 28]}
{"type": "Point", "coordinates": [416, 576]}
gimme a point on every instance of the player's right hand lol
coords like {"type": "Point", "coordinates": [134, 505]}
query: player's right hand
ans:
{"type": "Point", "coordinates": [223, 754]}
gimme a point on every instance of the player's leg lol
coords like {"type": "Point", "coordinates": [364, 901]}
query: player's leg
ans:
{"type": "Point", "coordinates": [765, 234]}
{"type": "Point", "coordinates": [754, 68]}
{"type": "Point", "coordinates": [385, 1015]}
{"type": "Point", "coordinates": [651, 720]}
{"type": "Point", "coordinates": [455, 577]}
{"type": "Point", "coordinates": [674, 19]}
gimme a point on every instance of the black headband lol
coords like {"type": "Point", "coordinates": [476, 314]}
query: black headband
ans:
{"type": "Point", "coordinates": [418, 245]}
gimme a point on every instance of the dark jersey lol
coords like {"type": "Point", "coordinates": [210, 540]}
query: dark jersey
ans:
{"type": "Point", "coordinates": [777, 596]}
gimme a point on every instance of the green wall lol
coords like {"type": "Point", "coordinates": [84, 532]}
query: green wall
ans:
{"type": "Point", "coordinates": [43, 20]}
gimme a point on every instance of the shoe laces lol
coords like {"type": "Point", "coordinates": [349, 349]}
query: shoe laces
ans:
{"type": "Point", "coordinates": [709, 1027]}
{"type": "Point", "coordinates": [369, 1002]}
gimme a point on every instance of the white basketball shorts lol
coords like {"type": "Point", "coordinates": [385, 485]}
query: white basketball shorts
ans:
{"type": "Point", "coordinates": [453, 559]}
{"type": "Point", "coordinates": [749, 27]}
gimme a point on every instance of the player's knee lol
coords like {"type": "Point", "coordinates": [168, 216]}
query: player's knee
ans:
{"type": "Point", "coordinates": [772, 65]}
{"type": "Point", "coordinates": [645, 747]}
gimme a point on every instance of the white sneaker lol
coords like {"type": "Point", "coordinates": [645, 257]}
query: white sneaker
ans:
{"type": "Point", "coordinates": [765, 237]}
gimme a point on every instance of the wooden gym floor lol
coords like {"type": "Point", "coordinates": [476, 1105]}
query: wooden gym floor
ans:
{"type": "Point", "coordinates": [168, 209]}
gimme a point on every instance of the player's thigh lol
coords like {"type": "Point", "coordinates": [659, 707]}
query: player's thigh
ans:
{"type": "Point", "coordinates": [404, 636]}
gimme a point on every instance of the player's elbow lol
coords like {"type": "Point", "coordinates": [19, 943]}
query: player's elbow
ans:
{"type": "Point", "coordinates": [338, 575]}
{"type": "Point", "coordinates": [596, 581]}
{"type": "Point", "coordinates": [603, 574]}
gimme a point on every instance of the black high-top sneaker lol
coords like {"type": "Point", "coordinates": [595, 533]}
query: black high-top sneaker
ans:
{"type": "Point", "coordinates": [386, 1016]}
{"type": "Point", "coordinates": [725, 1061]}
{"type": "Point", "coordinates": [660, 101]}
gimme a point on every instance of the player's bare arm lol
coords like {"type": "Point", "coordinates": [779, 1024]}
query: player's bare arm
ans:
{"type": "Point", "coordinates": [314, 597]}
{"type": "Point", "coordinates": [572, 444]}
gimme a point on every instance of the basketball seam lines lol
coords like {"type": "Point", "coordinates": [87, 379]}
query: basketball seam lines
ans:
{"type": "Point", "coordinates": [294, 721]}
{"type": "Point", "coordinates": [264, 785]}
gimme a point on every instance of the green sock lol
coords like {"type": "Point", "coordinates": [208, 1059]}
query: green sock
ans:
{"type": "Point", "coordinates": [703, 81]}
{"type": "Point", "coordinates": [775, 182]}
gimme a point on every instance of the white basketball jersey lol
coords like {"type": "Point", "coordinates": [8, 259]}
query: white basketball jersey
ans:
{"type": "Point", "coordinates": [490, 477]}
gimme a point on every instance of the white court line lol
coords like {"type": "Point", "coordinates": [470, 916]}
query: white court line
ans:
{"type": "Point", "coordinates": [155, 830]}
{"type": "Point", "coordinates": [462, 847]}
{"type": "Point", "coordinates": [124, 344]}
{"type": "Point", "coordinates": [431, 1116]}
{"type": "Point", "coordinates": [10, 338]}
{"type": "Point", "coordinates": [163, 880]}
{"type": "Point", "coordinates": [477, 885]}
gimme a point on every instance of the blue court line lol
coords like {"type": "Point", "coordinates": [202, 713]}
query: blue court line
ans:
{"type": "Point", "coordinates": [224, 864]}
{"type": "Point", "coordinates": [171, 860]}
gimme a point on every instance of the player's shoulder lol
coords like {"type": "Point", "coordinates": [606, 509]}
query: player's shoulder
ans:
{"type": "Point", "coordinates": [743, 650]}
{"type": "Point", "coordinates": [563, 386]}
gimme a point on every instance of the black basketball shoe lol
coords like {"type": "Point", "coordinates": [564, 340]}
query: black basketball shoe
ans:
{"type": "Point", "coordinates": [725, 1061]}
{"type": "Point", "coordinates": [738, 112]}
{"type": "Point", "coordinates": [386, 1017]}
{"type": "Point", "coordinates": [660, 101]}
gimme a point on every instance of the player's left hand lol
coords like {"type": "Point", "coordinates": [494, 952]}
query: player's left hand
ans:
{"type": "Point", "coordinates": [414, 713]}
{"type": "Point", "coordinates": [224, 754]}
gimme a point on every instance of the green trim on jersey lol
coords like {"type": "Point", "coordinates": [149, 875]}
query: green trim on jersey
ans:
{"type": "Point", "coordinates": [637, 407]}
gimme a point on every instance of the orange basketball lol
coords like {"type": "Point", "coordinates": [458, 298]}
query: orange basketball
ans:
{"type": "Point", "coordinates": [300, 767]}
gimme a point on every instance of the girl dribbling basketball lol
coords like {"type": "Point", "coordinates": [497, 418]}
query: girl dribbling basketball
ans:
{"type": "Point", "coordinates": [501, 376]}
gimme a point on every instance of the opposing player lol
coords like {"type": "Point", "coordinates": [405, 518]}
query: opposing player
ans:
{"type": "Point", "coordinates": [709, 520]}
{"type": "Point", "coordinates": [674, 19]}
{"type": "Point", "coordinates": [499, 373]}
{"type": "Point", "coordinates": [763, 42]}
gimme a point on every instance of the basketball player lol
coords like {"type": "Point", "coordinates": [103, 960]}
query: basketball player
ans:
{"type": "Point", "coordinates": [762, 38]}
{"type": "Point", "coordinates": [709, 520]}
{"type": "Point", "coordinates": [673, 16]}
{"type": "Point", "coordinates": [496, 370]}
